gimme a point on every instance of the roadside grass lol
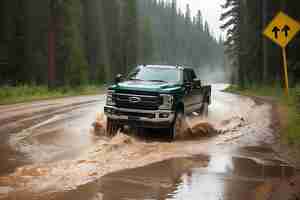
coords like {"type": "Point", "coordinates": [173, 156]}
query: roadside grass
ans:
{"type": "Point", "coordinates": [289, 107]}
{"type": "Point", "coordinates": [26, 93]}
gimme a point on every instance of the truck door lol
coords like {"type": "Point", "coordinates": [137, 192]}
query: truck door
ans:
{"type": "Point", "coordinates": [189, 98]}
{"type": "Point", "coordinates": [197, 92]}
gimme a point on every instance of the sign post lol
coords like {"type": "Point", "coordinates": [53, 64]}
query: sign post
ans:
{"type": "Point", "coordinates": [285, 70]}
{"type": "Point", "coordinates": [282, 30]}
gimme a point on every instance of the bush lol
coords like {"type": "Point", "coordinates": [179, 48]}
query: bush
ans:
{"type": "Point", "coordinates": [23, 93]}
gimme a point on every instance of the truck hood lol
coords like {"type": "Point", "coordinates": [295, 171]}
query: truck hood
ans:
{"type": "Point", "coordinates": [147, 86]}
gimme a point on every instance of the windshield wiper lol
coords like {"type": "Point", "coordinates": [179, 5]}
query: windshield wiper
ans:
{"type": "Point", "coordinates": [158, 81]}
{"type": "Point", "coordinates": [136, 79]}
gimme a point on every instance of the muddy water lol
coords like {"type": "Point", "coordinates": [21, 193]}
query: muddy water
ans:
{"type": "Point", "coordinates": [45, 131]}
{"type": "Point", "coordinates": [214, 178]}
{"type": "Point", "coordinates": [66, 161]}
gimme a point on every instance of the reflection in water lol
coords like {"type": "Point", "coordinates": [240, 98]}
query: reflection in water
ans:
{"type": "Point", "coordinates": [215, 178]}
{"type": "Point", "coordinates": [155, 181]}
{"type": "Point", "coordinates": [207, 182]}
{"type": "Point", "coordinates": [222, 164]}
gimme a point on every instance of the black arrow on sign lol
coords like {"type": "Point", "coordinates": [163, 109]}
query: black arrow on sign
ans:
{"type": "Point", "coordinates": [286, 30]}
{"type": "Point", "coordinates": [275, 31]}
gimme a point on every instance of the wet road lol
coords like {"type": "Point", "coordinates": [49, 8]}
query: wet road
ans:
{"type": "Point", "coordinates": [49, 152]}
{"type": "Point", "coordinates": [46, 131]}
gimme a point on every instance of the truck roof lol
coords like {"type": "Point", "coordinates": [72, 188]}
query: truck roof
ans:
{"type": "Point", "coordinates": [168, 66]}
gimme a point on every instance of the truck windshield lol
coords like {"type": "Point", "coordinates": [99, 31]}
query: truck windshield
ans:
{"type": "Point", "coordinates": [155, 74]}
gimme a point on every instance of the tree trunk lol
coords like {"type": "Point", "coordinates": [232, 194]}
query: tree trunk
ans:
{"type": "Point", "coordinates": [265, 41]}
{"type": "Point", "coordinates": [52, 45]}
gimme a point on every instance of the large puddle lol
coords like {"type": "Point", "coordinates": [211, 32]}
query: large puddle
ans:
{"type": "Point", "coordinates": [218, 177]}
{"type": "Point", "coordinates": [192, 178]}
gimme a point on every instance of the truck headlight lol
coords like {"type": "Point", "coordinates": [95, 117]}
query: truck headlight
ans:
{"type": "Point", "coordinates": [167, 102]}
{"type": "Point", "coordinates": [110, 101]}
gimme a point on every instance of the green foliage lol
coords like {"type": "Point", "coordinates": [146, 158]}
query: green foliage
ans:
{"type": "Point", "coordinates": [97, 39]}
{"type": "Point", "coordinates": [145, 53]}
{"type": "Point", "coordinates": [9, 95]}
{"type": "Point", "coordinates": [129, 35]}
{"type": "Point", "coordinates": [254, 58]}
{"type": "Point", "coordinates": [76, 64]}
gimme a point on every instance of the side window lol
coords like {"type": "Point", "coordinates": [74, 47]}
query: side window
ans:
{"type": "Point", "coordinates": [186, 76]}
{"type": "Point", "coordinates": [193, 75]}
{"type": "Point", "coordinates": [190, 75]}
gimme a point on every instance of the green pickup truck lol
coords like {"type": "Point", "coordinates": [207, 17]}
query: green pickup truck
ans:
{"type": "Point", "coordinates": [155, 96]}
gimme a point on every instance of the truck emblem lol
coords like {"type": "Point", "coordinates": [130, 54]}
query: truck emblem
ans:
{"type": "Point", "coordinates": [135, 99]}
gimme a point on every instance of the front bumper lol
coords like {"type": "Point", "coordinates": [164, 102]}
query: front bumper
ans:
{"type": "Point", "coordinates": [141, 118]}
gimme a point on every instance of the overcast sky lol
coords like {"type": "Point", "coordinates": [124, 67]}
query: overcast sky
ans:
{"type": "Point", "coordinates": [211, 11]}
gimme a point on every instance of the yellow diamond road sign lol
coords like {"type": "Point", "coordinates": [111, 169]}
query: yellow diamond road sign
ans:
{"type": "Point", "coordinates": [282, 29]}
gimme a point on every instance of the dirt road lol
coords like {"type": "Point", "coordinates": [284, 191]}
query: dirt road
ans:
{"type": "Point", "coordinates": [46, 131]}
{"type": "Point", "coordinates": [48, 151]}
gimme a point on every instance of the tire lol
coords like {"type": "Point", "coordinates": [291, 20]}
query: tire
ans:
{"type": "Point", "coordinates": [204, 109]}
{"type": "Point", "coordinates": [112, 128]}
{"type": "Point", "coordinates": [177, 128]}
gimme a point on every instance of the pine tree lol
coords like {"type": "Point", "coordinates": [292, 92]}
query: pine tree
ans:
{"type": "Point", "coordinates": [130, 35]}
{"type": "Point", "coordinates": [146, 42]}
{"type": "Point", "coordinates": [76, 65]}
{"type": "Point", "coordinates": [199, 21]}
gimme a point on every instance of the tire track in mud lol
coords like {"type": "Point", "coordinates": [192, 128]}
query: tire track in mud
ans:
{"type": "Point", "coordinates": [48, 103]}
{"type": "Point", "coordinates": [32, 115]}
{"type": "Point", "coordinates": [25, 119]}
{"type": "Point", "coordinates": [50, 117]}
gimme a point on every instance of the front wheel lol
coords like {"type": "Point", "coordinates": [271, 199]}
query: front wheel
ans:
{"type": "Point", "coordinates": [177, 127]}
{"type": "Point", "coordinates": [204, 109]}
{"type": "Point", "coordinates": [112, 127]}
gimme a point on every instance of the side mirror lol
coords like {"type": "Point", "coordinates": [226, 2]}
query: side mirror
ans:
{"type": "Point", "coordinates": [118, 78]}
{"type": "Point", "coordinates": [188, 86]}
{"type": "Point", "coordinates": [187, 83]}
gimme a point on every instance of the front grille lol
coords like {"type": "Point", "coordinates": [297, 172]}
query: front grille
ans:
{"type": "Point", "coordinates": [147, 102]}
{"type": "Point", "coordinates": [136, 114]}
{"type": "Point", "coordinates": [136, 92]}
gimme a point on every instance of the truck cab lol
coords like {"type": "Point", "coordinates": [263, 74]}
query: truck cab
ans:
{"type": "Point", "coordinates": [155, 96]}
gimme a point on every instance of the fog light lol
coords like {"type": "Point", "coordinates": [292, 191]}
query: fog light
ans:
{"type": "Point", "coordinates": [164, 115]}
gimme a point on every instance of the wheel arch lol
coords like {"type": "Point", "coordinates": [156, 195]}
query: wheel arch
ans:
{"type": "Point", "coordinates": [207, 95]}
{"type": "Point", "coordinates": [180, 107]}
